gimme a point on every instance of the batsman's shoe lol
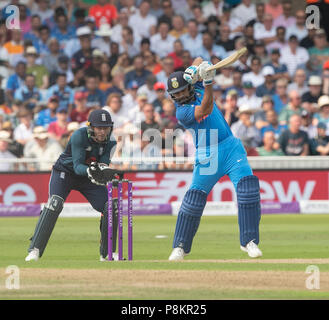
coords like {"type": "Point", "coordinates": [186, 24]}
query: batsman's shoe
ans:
{"type": "Point", "coordinates": [115, 257]}
{"type": "Point", "coordinates": [177, 254]}
{"type": "Point", "coordinates": [252, 249]}
{"type": "Point", "coordinates": [33, 255]}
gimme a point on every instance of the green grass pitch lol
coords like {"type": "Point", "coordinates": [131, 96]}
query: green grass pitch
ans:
{"type": "Point", "coordinates": [215, 269]}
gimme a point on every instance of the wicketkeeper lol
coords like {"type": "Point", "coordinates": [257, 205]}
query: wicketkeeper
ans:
{"type": "Point", "coordinates": [218, 153]}
{"type": "Point", "coordinates": [83, 166]}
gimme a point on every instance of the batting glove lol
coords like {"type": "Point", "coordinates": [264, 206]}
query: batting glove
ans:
{"type": "Point", "coordinates": [191, 74]}
{"type": "Point", "coordinates": [206, 76]}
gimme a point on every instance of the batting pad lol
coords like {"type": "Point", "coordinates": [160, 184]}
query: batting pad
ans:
{"type": "Point", "coordinates": [249, 213]}
{"type": "Point", "coordinates": [189, 218]}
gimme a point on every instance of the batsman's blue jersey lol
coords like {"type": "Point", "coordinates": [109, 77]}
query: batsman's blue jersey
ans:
{"type": "Point", "coordinates": [218, 152]}
{"type": "Point", "coordinates": [209, 131]}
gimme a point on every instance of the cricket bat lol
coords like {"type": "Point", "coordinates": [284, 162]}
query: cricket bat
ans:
{"type": "Point", "coordinates": [229, 60]}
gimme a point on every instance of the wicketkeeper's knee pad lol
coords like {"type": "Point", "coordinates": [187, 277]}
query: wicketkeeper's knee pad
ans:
{"type": "Point", "coordinates": [189, 218]}
{"type": "Point", "coordinates": [104, 228]}
{"type": "Point", "coordinates": [249, 212]}
{"type": "Point", "coordinates": [46, 223]}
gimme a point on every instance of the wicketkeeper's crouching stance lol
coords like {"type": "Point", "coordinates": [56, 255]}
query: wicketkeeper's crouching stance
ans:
{"type": "Point", "coordinates": [218, 153]}
{"type": "Point", "coordinates": [83, 166]}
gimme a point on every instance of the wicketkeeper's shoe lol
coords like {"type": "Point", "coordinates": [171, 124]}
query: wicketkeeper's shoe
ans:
{"type": "Point", "coordinates": [115, 257]}
{"type": "Point", "coordinates": [252, 249]}
{"type": "Point", "coordinates": [177, 254]}
{"type": "Point", "coordinates": [33, 255]}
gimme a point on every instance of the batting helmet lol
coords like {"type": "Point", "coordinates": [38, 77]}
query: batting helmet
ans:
{"type": "Point", "coordinates": [100, 118]}
{"type": "Point", "coordinates": [177, 83]}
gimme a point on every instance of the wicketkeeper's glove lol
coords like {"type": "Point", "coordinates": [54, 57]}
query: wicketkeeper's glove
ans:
{"type": "Point", "coordinates": [101, 174]}
{"type": "Point", "coordinates": [206, 76]}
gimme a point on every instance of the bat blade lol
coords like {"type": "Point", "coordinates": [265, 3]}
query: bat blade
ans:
{"type": "Point", "coordinates": [229, 60]}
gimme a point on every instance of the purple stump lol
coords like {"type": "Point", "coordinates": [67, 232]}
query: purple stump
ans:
{"type": "Point", "coordinates": [120, 221]}
{"type": "Point", "coordinates": [130, 220]}
{"type": "Point", "coordinates": [109, 221]}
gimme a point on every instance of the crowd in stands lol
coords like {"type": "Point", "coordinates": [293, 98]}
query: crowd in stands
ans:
{"type": "Point", "coordinates": [70, 57]}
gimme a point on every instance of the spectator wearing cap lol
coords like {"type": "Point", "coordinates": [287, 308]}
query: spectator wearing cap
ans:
{"type": "Point", "coordinates": [269, 147]}
{"type": "Point", "coordinates": [314, 93]}
{"type": "Point", "coordinates": [286, 19]}
{"type": "Point", "coordinates": [299, 82]}
{"type": "Point", "coordinates": [268, 87]}
{"type": "Point", "coordinates": [50, 60]}
{"type": "Point", "coordinates": [103, 39]}
{"type": "Point", "coordinates": [255, 75]}
{"type": "Point", "coordinates": [266, 31]}
{"type": "Point", "coordinates": [129, 43]}
{"type": "Point", "coordinates": [97, 57]}
{"type": "Point", "coordinates": [261, 52]}
{"type": "Point", "coordinates": [5, 154]}
{"type": "Point", "coordinates": [130, 96]}
{"type": "Point", "coordinates": [294, 141]}
{"type": "Point", "coordinates": [43, 149]}
{"type": "Point", "coordinates": [148, 89]}
{"type": "Point", "coordinates": [58, 128]}
{"type": "Point", "coordinates": [323, 114]}
{"type": "Point", "coordinates": [320, 51]}
{"type": "Point", "coordinates": [63, 66]}
{"type": "Point", "coordinates": [319, 145]}
{"type": "Point", "coordinates": [225, 41]}
{"type": "Point", "coordinates": [294, 55]}
{"type": "Point", "coordinates": [245, 11]}
{"type": "Point", "coordinates": [245, 129]}
{"type": "Point", "coordinates": [39, 71]}
{"type": "Point", "coordinates": [178, 26]}
{"type": "Point", "coordinates": [249, 97]}
{"type": "Point", "coordinates": [273, 124]}
{"type": "Point", "coordinates": [293, 107]}
{"type": "Point", "coordinates": [162, 43]}
{"type": "Point", "coordinates": [71, 128]}
{"type": "Point", "coordinates": [62, 31]}
{"type": "Point", "coordinates": [139, 73]}
{"type": "Point", "coordinates": [62, 91]}
{"type": "Point", "coordinates": [142, 21]}
{"type": "Point", "coordinates": [48, 115]}
{"type": "Point", "coordinates": [103, 12]}
{"type": "Point", "coordinates": [281, 42]}
{"type": "Point", "coordinates": [210, 49]}
{"type": "Point", "coordinates": [23, 132]}
{"type": "Point", "coordinates": [299, 28]}
{"type": "Point", "coordinates": [307, 124]}
{"type": "Point", "coordinates": [280, 69]}
{"type": "Point", "coordinates": [82, 58]}
{"type": "Point", "coordinates": [192, 39]}
{"type": "Point", "coordinates": [80, 111]}
{"type": "Point", "coordinates": [160, 90]}
{"type": "Point", "coordinates": [230, 107]}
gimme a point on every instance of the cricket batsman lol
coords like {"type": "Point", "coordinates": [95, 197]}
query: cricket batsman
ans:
{"type": "Point", "coordinates": [218, 153]}
{"type": "Point", "coordinates": [83, 166]}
